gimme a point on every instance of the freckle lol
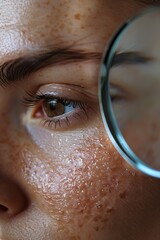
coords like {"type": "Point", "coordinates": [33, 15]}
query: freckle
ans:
{"type": "Point", "coordinates": [61, 25]}
{"type": "Point", "coordinates": [123, 195]}
{"type": "Point", "coordinates": [77, 16]}
{"type": "Point", "coordinates": [42, 35]}
{"type": "Point", "coordinates": [47, 2]}
{"type": "Point", "coordinates": [96, 228]}
{"type": "Point", "coordinates": [75, 238]}
{"type": "Point", "coordinates": [97, 218]}
{"type": "Point", "coordinates": [80, 225]}
{"type": "Point", "coordinates": [104, 220]}
{"type": "Point", "coordinates": [82, 211]}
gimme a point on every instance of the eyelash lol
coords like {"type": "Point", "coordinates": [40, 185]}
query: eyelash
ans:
{"type": "Point", "coordinates": [36, 100]}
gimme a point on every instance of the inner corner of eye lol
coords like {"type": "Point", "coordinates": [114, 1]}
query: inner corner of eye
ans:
{"type": "Point", "coordinates": [37, 112]}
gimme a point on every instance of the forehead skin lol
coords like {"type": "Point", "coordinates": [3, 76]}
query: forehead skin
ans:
{"type": "Point", "coordinates": [27, 25]}
{"type": "Point", "coordinates": [83, 190]}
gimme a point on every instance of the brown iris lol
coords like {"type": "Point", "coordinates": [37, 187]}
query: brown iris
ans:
{"type": "Point", "coordinates": [53, 108]}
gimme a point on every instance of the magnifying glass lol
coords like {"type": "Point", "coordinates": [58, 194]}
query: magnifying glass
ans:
{"type": "Point", "coordinates": [130, 91]}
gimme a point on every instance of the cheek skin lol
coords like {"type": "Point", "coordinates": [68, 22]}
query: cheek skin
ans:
{"type": "Point", "coordinates": [86, 189]}
{"type": "Point", "coordinates": [81, 188]}
{"type": "Point", "coordinates": [76, 195]}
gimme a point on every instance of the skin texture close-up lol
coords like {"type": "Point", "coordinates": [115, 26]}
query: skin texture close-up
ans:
{"type": "Point", "coordinates": [60, 176]}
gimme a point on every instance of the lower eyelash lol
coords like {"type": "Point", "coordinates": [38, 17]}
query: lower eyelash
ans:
{"type": "Point", "coordinates": [58, 123]}
{"type": "Point", "coordinates": [49, 123]}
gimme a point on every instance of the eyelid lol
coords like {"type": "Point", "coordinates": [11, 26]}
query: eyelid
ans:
{"type": "Point", "coordinates": [66, 91]}
{"type": "Point", "coordinates": [69, 89]}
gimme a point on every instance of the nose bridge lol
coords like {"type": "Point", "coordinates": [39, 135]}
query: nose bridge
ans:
{"type": "Point", "coordinates": [7, 107]}
{"type": "Point", "coordinates": [8, 129]}
{"type": "Point", "coordinates": [5, 123]}
{"type": "Point", "coordinates": [6, 139]}
{"type": "Point", "coordinates": [12, 135]}
{"type": "Point", "coordinates": [10, 152]}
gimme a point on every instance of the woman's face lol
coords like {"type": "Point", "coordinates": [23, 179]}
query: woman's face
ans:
{"type": "Point", "coordinates": [60, 176]}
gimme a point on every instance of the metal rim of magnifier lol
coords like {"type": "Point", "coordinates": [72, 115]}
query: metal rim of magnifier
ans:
{"type": "Point", "coordinates": [106, 109]}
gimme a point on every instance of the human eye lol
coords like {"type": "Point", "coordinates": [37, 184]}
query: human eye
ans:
{"type": "Point", "coordinates": [58, 108]}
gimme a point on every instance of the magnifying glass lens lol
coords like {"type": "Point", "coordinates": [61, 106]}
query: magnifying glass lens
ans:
{"type": "Point", "coordinates": [130, 91]}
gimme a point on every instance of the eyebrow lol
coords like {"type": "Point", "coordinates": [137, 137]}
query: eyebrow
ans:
{"type": "Point", "coordinates": [18, 69]}
{"type": "Point", "coordinates": [130, 58]}
{"type": "Point", "coordinates": [149, 2]}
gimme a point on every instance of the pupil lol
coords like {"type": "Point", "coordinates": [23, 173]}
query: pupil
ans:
{"type": "Point", "coordinates": [53, 108]}
{"type": "Point", "coordinates": [52, 105]}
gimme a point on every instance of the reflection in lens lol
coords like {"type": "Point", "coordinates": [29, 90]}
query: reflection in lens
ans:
{"type": "Point", "coordinates": [130, 91]}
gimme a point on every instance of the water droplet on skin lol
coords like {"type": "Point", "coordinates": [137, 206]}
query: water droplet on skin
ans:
{"type": "Point", "coordinates": [99, 206]}
{"type": "Point", "coordinates": [64, 195]}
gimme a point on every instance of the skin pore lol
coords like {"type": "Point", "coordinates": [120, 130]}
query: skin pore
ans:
{"type": "Point", "coordinates": [65, 180]}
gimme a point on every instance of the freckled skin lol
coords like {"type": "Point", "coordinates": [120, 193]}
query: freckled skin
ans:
{"type": "Point", "coordinates": [80, 189]}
